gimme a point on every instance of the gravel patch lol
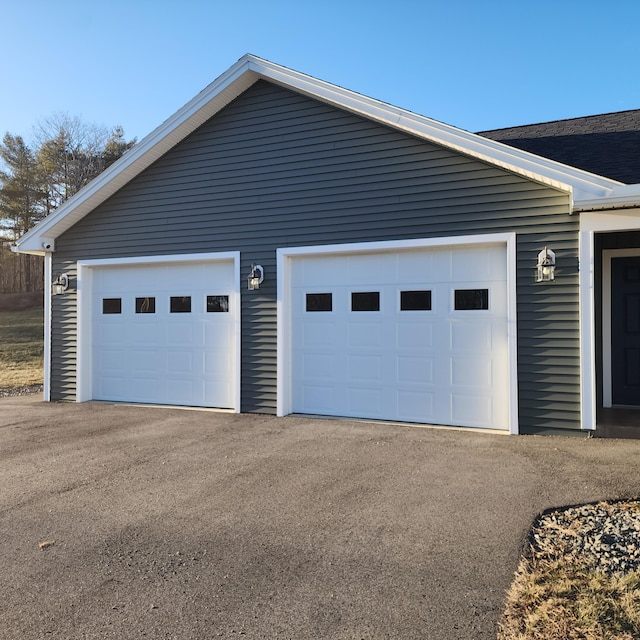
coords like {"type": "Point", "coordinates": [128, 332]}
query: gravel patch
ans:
{"type": "Point", "coordinates": [603, 537]}
{"type": "Point", "coordinates": [8, 392]}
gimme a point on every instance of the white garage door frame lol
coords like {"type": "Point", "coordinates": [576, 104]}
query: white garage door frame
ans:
{"type": "Point", "coordinates": [285, 259]}
{"type": "Point", "coordinates": [84, 391]}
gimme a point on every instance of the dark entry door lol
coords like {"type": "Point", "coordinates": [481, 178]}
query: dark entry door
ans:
{"type": "Point", "coordinates": [625, 330]}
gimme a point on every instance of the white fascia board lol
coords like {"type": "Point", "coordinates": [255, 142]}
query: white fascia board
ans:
{"type": "Point", "coordinates": [627, 219]}
{"type": "Point", "coordinates": [622, 197]}
{"type": "Point", "coordinates": [240, 77]}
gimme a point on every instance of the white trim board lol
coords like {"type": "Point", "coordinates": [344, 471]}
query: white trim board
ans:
{"type": "Point", "coordinates": [48, 277]}
{"type": "Point", "coordinates": [284, 258]}
{"type": "Point", "coordinates": [592, 222]}
{"type": "Point", "coordinates": [84, 391]}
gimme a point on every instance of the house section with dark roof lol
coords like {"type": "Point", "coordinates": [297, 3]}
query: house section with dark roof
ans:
{"type": "Point", "coordinates": [607, 144]}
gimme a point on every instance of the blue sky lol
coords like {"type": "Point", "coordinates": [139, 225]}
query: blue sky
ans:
{"type": "Point", "coordinates": [475, 64]}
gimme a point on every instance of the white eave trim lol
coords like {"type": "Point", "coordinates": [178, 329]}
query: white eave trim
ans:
{"type": "Point", "coordinates": [240, 77]}
{"type": "Point", "coordinates": [622, 197]}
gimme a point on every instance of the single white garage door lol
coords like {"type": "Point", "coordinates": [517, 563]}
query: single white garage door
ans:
{"type": "Point", "coordinates": [164, 334]}
{"type": "Point", "coordinates": [416, 336]}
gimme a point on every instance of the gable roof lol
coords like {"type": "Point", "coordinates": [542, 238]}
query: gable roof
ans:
{"type": "Point", "coordinates": [239, 78]}
{"type": "Point", "coordinates": [607, 144]}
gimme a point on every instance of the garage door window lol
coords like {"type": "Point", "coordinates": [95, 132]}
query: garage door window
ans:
{"type": "Point", "coordinates": [180, 304]}
{"type": "Point", "coordinates": [471, 299]}
{"type": "Point", "coordinates": [319, 302]}
{"type": "Point", "coordinates": [217, 304]}
{"type": "Point", "coordinates": [145, 305]}
{"type": "Point", "coordinates": [415, 300]}
{"type": "Point", "coordinates": [111, 305]}
{"type": "Point", "coordinates": [365, 301]}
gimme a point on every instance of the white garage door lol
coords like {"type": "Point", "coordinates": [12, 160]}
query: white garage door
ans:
{"type": "Point", "coordinates": [164, 334]}
{"type": "Point", "coordinates": [418, 336]}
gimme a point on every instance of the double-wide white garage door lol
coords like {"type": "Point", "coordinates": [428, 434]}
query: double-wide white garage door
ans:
{"type": "Point", "coordinates": [164, 333]}
{"type": "Point", "coordinates": [416, 336]}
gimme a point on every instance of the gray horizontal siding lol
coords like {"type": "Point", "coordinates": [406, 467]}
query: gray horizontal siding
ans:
{"type": "Point", "coordinates": [277, 169]}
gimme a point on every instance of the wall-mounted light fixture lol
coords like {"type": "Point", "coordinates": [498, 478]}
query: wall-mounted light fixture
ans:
{"type": "Point", "coordinates": [256, 277]}
{"type": "Point", "coordinates": [546, 267]}
{"type": "Point", "coordinates": [60, 284]}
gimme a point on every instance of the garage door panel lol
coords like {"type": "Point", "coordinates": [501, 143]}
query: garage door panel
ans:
{"type": "Point", "coordinates": [180, 333]}
{"type": "Point", "coordinates": [185, 358]}
{"type": "Point", "coordinates": [144, 388]}
{"type": "Point", "coordinates": [144, 361]}
{"type": "Point", "coordinates": [415, 406]}
{"type": "Point", "coordinates": [415, 370]}
{"type": "Point", "coordinates": [471, 336]}
{"type": "Point", "coordinates": [414, 335]}
{"type": "Point", "coordinates": [316, 398]}
{"type": "Point", "coordinates": [318, 334]}
{"type": "Point", "coordinates": [112, 386]}
{"type": "Point", "coordinates": [365, 402]}
{"type": "Point", "coordinates": [112, 333]}
{"type": "Point", "coordinates": [147, 333]}
{"type": "Point", "coordinates": [112, 361]}
{"type": "Point", "coordinates": [412, 267]}
{"type": "Point", "coordinates": [471, 409]}
{"type": "Point", "coordinates": [365, 368]}
{"type": "Point", "coordinates": [364, 334]}
{"type": "Point", "coordinates": [319, 365]}
{"type": "Point", "coordinates": [422, 360]}
{"type": "Point", "coordinates": [216, 336]}
{"type": "Point", "coordinates": [475, 372]}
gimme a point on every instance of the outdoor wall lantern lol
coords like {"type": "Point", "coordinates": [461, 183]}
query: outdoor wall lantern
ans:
{"type": "Point", "coordinates": [256, 277]}
{"type": "Point", "coordinates": [546, 266]}
{"type": "Point", "coordinates": [60, 284]}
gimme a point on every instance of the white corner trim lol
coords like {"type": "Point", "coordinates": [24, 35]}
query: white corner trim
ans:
{"type": "Point", "coordinates": [84, 364]}
{"type": "Point", "coordinates": [284, 257]}
{"type": "Point", "coordinates": [283, 333]}
{"type": "Point", "coordinates": [512, 333]}
{"type": "Point", "coordinates": [84, 355]}
{"type": "Point", "coordinates": [586, 303]}
{"type": "Point", "coordinates": [48, 277]}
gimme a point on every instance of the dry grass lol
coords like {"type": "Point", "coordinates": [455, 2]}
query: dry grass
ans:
{"type": "Point", "coordinates": [559, 600]}
{"type": "Point", "coordinates": [21, 347]}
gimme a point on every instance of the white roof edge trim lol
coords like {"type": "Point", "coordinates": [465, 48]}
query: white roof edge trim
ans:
{"type": "Point", "coordinates": [240, 77]}
{"type": "Point", "coordinates": [625, 196]}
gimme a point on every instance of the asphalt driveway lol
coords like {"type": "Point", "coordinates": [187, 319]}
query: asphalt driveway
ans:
{"type": "Point", "coordinates": [166, 523]}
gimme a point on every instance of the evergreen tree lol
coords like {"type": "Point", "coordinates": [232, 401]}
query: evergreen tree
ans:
{"type": "Point", "coordinates": [21, 191]}
{"type": "Point", "coordinates": [34, 181]}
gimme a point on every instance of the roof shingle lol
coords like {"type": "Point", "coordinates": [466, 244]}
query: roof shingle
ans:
{"type": "Point", "coordinates": [606, 144]}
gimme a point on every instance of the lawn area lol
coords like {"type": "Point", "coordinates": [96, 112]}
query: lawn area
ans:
{"type": "Point", "coordinates": [21, 347]}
